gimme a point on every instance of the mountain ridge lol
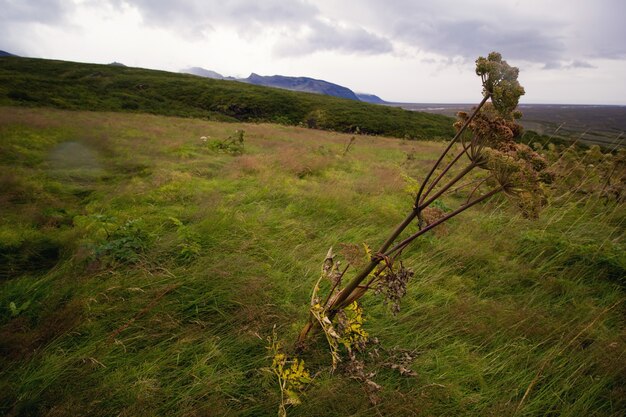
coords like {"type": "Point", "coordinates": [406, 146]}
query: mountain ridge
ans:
{"type": "Point", "coordinates": [301, 84]}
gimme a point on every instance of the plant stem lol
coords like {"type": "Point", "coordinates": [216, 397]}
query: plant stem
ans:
{"type": "Point", "coordinates": [332, 290]}
{"type": "Point", "coordinates": [347, 291]}
{"type": "Point", "coordinates": [481, 182]}
{"type": "Point", "coordinates": [445, 152]}
{"type": "Point", "coordinates": [373, 262]}
{"type": "Point", "coordinates": [444, 172]}
{"type": "Point", "coordinates": [453, 181]}
{"type": "Point", "coordinates": [399, 229]}
{"type": "Point", "coordinates": [461, 209]}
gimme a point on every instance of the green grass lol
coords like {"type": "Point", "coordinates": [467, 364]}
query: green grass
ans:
{"type": "Point", "coordinates": [146, 270]}
{"type": "Point", "coordinates": [78, 86]}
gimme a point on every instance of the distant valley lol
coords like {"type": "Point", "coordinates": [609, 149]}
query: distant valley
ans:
{"type": "Point", "coordinates": [591, 124]}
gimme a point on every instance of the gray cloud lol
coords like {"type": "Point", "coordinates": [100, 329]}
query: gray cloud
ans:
{"type": "Point", "coordinates": [251, 17]}
{"type": "Point", "coordinates": [17, 16]}
{"type": "Point", "coordinates": [580, 64]}
{"type": "Point", "coordinates": [554, 34]}
{"type": "Point", "coordinates": [454, 29]}
{"type": "Point", "coordinates": [246, 16]}
{"type": "Point", "coordinates": [42, 11]}
{"type": "Point", "coordinates": [471, 38]}
{"type": "Point", "coordinates": [604, 31]}
{"type": "Point", "coordinates": [186, 17]}
{"type": "Point", "coordinates": [323, 36]}
{"type": "Point", "coordinates": [550, 33]}
{"type": "Point", "coordinates": [568, 65]}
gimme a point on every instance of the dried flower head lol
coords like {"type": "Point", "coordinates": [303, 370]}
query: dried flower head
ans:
{"type": "Point", "coordinates": [494, 146]}
{"type": "Point", "coordinates": [490, 128]}
{"type": "Point", "coordinates": [520, 171]}
{"type": "Point", "coordinates": [393, 286]}
{"type": "Point", "coordinates": [500, 82]}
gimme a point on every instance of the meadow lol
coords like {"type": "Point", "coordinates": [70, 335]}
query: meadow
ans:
{"type": "Point", "coordinates": [32, 82]}
{"type": "Point", "coordinates": [144, 264]}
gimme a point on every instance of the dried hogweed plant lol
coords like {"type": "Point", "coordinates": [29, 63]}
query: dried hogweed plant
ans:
{"type": "Point", "coordinates": [484, 140]}
{"type": "Point", "coordinates": [487, 139]}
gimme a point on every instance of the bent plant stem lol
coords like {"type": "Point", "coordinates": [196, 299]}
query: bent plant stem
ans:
{"type": "Point", "coordinates": [347, 292]}
{"type": "Point", "coordinates": [340, 301]}
{"type": "Point", "coordinates": [444, 172]}
{"type": "Point", "coordinates": [452, 142]}
{"type": "Point", "coordinates": [461, 209]}
{"type": "Point", "coordinates": [453, 181]}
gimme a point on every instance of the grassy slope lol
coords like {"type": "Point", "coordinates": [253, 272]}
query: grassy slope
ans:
{"type": "Point", "coordinates": [498, 302]}
{"type": "Point", "coordinates": [71, 85]}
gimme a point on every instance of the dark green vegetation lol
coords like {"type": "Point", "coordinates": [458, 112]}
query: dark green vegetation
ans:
{"type": "Point", "coordinates": [143, 269]}
{"type": "Point", "coordinates": [78, 86]}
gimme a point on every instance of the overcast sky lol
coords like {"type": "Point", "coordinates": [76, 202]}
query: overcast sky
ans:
{"type": "Point", "coordinates": [568, 51]}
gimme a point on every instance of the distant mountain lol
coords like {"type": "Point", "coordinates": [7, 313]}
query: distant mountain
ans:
{"type": "Point", "coordinates": [117, 64]}
{"type": "Point", "coordinates": [4, 53]}
{"type": "Point", "coordinates": [201, 72]}
{"type": "Point", "coordinates": [370, 98]}
{"type": "Point", "coordinates": [304, 84]}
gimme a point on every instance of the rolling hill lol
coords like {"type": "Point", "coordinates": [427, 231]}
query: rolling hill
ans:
{"type": "Point", "coordinates": [79, 86]}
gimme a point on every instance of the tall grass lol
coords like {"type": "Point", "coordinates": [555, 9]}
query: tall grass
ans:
{"type": "Point", "coordinates": [529, 322]}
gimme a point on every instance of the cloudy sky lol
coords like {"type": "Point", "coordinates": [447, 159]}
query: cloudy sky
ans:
{"type": "Point", "coordinates": [568, 51]}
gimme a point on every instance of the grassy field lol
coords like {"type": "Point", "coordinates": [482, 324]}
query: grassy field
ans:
{"type": "Point", "coordinates": [142, 270]}
{"type": "Point", "coordinates": [78, 86]}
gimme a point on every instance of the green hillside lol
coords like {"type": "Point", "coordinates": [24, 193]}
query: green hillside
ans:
{"type": "Point", "coordinates": [78, 86]}
{"type": "Point", "coordinates": [144, 261]}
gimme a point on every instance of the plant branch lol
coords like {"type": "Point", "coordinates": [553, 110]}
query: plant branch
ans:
{"type": "Point", "coordinates": [446, 187]}
{"type": "Point", "coordinates": [352, 285]}
{"type": "Point", "coordinates": [467, 184]}
{"type": "Point", "coordinates": [399, 229]}
{"type": "Point", "coordinates": [445, 152]}
{"type": "Point", "coordinates": [480, 182]}
{"type": "Point", "coordinates": [459, 210]}
{"type": "Point", "coordinates": [444, 172]}
{"type": "Point", "coordinates": [356, 281]}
